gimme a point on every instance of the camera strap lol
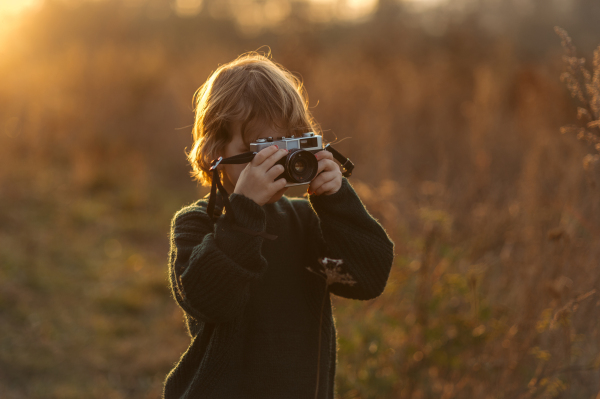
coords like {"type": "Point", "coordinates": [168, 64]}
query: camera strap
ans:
{"type": "Point", "coordinates": [246, 157]}
{"type": "Point", "coordinates": [346, 163]}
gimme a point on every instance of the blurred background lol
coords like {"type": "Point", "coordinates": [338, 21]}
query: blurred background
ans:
{"type": "Point", "coordinates": [451, 111]}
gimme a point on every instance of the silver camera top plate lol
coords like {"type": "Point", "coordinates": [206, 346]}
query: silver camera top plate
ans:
{"type": "Point", "coordinates": [308, 141]}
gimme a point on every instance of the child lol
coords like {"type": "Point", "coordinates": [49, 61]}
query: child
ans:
{"type": "Point", "coordinates": [252, 307]}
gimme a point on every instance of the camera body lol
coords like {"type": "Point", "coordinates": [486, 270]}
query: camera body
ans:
{"type": "Point", "coordinates": [300, 164]}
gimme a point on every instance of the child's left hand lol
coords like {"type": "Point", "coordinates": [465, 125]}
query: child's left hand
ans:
{"type": "Point", "coordinates": [329, 175]}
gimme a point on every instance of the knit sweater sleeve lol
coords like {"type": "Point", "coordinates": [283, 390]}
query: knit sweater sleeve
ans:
{"type": "Point", "coordinates": [350, 233]}
{"type": "Point", "coordinates": [211, 266]}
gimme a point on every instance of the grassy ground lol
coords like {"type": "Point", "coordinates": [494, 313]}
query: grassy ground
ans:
{"type": "Point", "coordinates": [85, 305]}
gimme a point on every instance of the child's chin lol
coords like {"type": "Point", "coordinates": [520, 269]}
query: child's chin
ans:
{"type": "Point", "coordinates": [277, 196]}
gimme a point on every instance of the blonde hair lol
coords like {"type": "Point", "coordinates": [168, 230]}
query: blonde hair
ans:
{"type": "Point", "coordinates": [250, 88]}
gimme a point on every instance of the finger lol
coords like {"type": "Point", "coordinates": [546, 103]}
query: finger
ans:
{"type": "Point", "coordinates": [278, 185]}
{"type": "Point", "coordinates": [324, 155]}
{"type": "Point", "coordinates": [273, 158]}
{"type": "Point", "coordinates": [327, 187]}
{"type": "Point", "coordinates": [321, 179]}
{"type": "Point", "coordinates": [264, 154]}
{"type": "Point", "coordinates": [327, 165]}
{"type": "Point", "coordinates": [275, 171]}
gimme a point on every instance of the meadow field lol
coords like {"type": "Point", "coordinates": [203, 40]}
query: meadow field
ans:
{"type": "Point", "coordinates": [452, 117]}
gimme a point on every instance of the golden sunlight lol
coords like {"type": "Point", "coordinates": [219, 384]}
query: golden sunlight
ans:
{"type": "Point", "coordinates": [11, 7]}
{"type": "Point", "coordinates": [10, 10]}
{"type": "Point", "coordinates": [426, 3]}
{"type": "Point", "coordinates": [348, 9]}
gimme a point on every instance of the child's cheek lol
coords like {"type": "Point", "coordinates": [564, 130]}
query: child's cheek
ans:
{"type": "Point", "coordinates": [236, 172]}
{"type": "Point", "coordinates": [232, 173]}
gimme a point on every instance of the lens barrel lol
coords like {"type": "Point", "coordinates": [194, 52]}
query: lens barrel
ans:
{"type": "Point", "coordinates": [300, 166]}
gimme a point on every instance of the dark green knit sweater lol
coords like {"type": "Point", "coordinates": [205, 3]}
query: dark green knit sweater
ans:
{"type": "Point", "coordinates": [251, 306]}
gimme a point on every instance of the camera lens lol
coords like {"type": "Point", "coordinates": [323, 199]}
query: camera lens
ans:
{"type": "Point", "coordinates": [301, 166]}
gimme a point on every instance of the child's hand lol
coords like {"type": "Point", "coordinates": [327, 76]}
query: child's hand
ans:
{"type": "Point", "coordinates": [257, 180]}
{"type": "Point", "coordinates": [329, 175]}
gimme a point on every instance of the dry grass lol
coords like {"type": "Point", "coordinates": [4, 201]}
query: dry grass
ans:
{"type": "Point", "coordinates": [584, 86]}
{"type": "Point", "coordinates": [494, 289]}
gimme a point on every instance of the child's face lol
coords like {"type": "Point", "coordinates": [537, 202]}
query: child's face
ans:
{"type": "Point", "coordinates": [231, 173]}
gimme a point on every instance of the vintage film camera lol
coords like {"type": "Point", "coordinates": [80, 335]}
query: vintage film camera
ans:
{"type": "Point", "coordinates": [300, 164]}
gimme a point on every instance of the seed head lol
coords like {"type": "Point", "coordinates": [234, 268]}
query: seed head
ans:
{"type": "Point", "coordinates": [331, 271]}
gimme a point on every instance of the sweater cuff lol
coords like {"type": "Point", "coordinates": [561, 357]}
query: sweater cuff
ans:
{"type": "Point", "coordinates": [248, 214]}
{"type": "Point", "coordinates": [341, 195]}
{"type": "Point", "coordinates": [242, 245]}
{"type": "Point", "coordinates": [344, 202]}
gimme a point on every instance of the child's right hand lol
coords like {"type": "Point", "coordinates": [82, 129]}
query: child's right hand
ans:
{"type": "Point", "coordinates": [257, 180]}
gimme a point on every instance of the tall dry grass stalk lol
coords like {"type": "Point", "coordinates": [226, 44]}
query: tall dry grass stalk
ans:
{"type": "Point", "coordinates": [584, 86]}
{"type": "Point", "coordinates": [331, 272]}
